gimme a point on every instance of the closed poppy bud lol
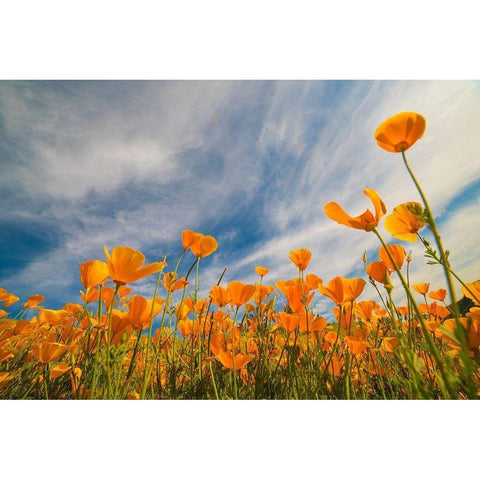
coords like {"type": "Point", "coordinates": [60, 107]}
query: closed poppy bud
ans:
{"type": "Point", "coordinates": [301, 258]}
{"type": "Point", "coordinates": [400, 132]}
{"type": "Point", "coordinates": [33, 301]}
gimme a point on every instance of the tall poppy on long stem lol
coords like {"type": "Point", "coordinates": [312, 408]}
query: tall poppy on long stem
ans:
{"type": "Point", "coordinates": [397, 134]}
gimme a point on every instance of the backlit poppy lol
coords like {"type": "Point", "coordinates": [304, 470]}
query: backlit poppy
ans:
{"type": "Point", "coordinates": [240, 293]}
{"type": "Point", "coordinates": [262, 271]}
{"type": "Point", "coordinates": [125, 265]}
{"type": "Point", "coordinates": [400, 132]}
{"type": "Point", "coordinates": [421, 288]}
{"type": "Point", "coordinates": [93, 273]}
{"type": "Point", "coordinates": [342, 290]}
{"type": "Point", "coordinates": [405, 221]}
{"type": "Point", "coordinates": [205, 246]}
{"type": "Point", "coordinates": [226, 359]}
{"type": "Point", "coordinates": [301, 258]}
{"type": "Point", "coordinates": [398, 254]}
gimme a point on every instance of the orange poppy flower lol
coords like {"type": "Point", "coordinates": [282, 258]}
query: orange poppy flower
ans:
{"type": "Point", "coordinates": [400, 132]}
{"type": "Point", "coordinates": [189, 237]}
{"type": "Point", "coordinates": [5, 377]}
{"type": "Point", "coordinates": [318, 324]}
{"type": "Point", "coordinates": [343, 290]}
{"type": "Point", "coordinates": [59, 370]}
{"type": "Point", "coordinates": [421, 288]}
{"type": "Point", "coordinates": [205, 246]}
{"type": "Point", "coordinates": [438, 294]}
{"type": "Point", "coordinates": [171, 283]}
{"type": "Point", "coordinates": [187, 327]}
{"type": "Point", "coordinates": [125, 265]}
{"type": "Point", "coordinates": [108, 294]}
{"type": "Point", "coordinates": [120, 321]}
{"type": "Point", "coordinates": [140, 311]}
{"type": "Point", "coordinates": [262, 292]}
{"type": "Point", "coordinates": [377, 271]}
{"type": "Point", "coordinates": [289, 321]}
{"type": "Point", "coordinates": [345, 314]}
{"type": "Point", "coordinates": [123, 291]}
{"type": "Point", "coordinates": [474, 293]}
{"type": "Point", "coordinates": [9, 299]}
{"type": "Point", "coordinates": [220, 296]}
{"type": "Point", "coordinates": [262, 271]}
{"type": "Point", "coordinates": [312, 281]}
{"type": "Point", "coordinates": [390, 344]}
{"type": "Point", "coordinates": [398, 254]}
{"type": "Point", "coordinates": [240, 293]}
{"type": "Point", "coordinates": [355, 345]}
{"type": "Point", "coordinates": [33, 301]}
{"type": "Point", "coordinates": [92, 295]}
{"type": "Point", "coordinates": [52, 317]}
{"type": "Point", "coordinates": [301, 258]}
{"type": "Point", "coordinates": [366, 221]}
{"type": "Point", "coordinates": [182, 311]}
{"type": "Point", "coordinates": [49, 351]}
{"type": "Point", "coordinates": [367, 310]}
{"type": "Point", "coordinates": [296, 296]}
{"type": "Point", "coordinates": [405, 221]}
{"type": "Point", "coordinates": [439, 310]}
{"type": "Point", "coordinates": [226, 359]}
{"type": "Point", "coordinates": [471, 325]}
{"type": "Point", "coordinates": [93, 273]}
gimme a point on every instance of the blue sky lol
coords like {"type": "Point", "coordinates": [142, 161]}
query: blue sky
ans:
{"type": "Point", "coordinates": [90, 163]}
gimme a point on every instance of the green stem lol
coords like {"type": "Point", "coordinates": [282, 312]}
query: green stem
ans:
{"type": "Point", "coordinates": [149, 337]}
{"type": "Point", "coordinates": [436, 234]}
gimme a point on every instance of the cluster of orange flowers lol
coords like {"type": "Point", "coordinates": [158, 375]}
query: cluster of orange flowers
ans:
{"type": "Point", "coordinates": [236, 342]}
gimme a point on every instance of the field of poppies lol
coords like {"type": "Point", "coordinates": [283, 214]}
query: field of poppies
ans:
{"type": "Point", "coordinates": [257, 341]}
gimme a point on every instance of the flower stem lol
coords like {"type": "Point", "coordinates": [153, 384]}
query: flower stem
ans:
{"type": "Point", "coordinates": [436, 234]}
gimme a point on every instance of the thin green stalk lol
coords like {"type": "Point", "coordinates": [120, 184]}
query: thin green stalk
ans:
{"type": "Point", "coordinates": [436, 234]}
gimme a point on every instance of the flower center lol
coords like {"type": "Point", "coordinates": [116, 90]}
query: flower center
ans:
{"type": "Point", "coordinates": [401, 146]}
